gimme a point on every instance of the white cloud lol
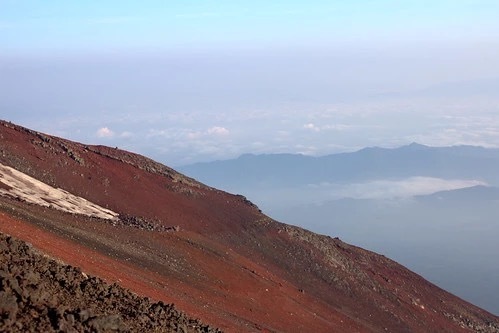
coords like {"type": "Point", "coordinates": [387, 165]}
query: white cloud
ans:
{"type": "Point", "coordinates": [104, 132]}
{"type": "Point", "coordinates": [334, 127]}
{"type": "Point", "coordinates": [215, 131]}
{"type": "Point", "coordinates": [218, 131]}
{"type": "Point", "coordinates": [384, 189]}
{"type": "Point", "coordinates": [311, 127]}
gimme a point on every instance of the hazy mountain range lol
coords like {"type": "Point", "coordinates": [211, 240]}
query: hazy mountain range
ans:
{"type": "Point", "coordinates": [270, 170]}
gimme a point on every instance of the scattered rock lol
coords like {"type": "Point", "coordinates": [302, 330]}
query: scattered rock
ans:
{"type": "Point", "coordinates": [143, 223]}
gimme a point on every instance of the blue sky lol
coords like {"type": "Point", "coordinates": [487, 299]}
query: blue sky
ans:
{"type": "Point", "coordinates": [96, 26]}
{"type": "Point", "coordinates": [184, 81]}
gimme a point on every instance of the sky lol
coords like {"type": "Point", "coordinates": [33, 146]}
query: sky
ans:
{"type": "Point", "coordinates": [188, 81]}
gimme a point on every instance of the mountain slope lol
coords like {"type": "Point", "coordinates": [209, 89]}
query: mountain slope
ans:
{"type": "Point", "coordinates": [213, 254]}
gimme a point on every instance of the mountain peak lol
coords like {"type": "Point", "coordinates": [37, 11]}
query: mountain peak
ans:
{"type": "Point", "coordinates": [415, 146]}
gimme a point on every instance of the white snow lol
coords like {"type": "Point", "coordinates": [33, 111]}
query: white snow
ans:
{"type": "Point", "coordinates": [26, 188]}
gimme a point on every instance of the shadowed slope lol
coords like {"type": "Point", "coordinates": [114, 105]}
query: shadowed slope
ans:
{"type": "Point", "coordinates": [224, 261]}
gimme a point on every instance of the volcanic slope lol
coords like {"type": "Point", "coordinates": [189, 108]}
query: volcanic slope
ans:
{"type": "Point", "coordinates": [214, 254]}
{"type": "Point", "coordinates": [41, 295]}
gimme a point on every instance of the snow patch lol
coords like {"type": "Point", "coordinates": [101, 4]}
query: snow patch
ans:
{"type": "Point", "coordinates": [21, 186]}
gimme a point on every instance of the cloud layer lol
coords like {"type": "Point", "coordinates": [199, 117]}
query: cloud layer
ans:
{"type": "Point", "coordinates": [181, 109]}
{"type": "Point", "coordinates": [390, 189]}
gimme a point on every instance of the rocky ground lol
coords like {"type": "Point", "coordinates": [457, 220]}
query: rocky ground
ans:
{"type": "Point", "coordinates": [38, 294]}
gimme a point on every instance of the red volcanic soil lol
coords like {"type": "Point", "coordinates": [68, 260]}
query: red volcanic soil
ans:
{"type": "Point", "coordinates": [213, 254]}
{"type": "Point", "coordinates": [39, 294]}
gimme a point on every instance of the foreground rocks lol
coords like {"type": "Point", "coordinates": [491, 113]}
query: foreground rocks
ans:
{"type": "Point", "coordinates": [38, 294]}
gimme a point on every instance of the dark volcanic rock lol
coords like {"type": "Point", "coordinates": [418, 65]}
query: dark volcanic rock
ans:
{"type": "Point", "coordinates": [143, 223]}
{"type": "Point", "coordinates": [38, 294]}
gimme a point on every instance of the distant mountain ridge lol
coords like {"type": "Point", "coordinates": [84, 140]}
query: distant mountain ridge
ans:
{"type": "Point", "coordinates": [270, 170]}
{"type": "Point", "coordinates": [473, 193]}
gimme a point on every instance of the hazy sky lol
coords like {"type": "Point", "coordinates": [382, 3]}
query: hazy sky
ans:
{"type": "Point", "coordinates": [185, 81]}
